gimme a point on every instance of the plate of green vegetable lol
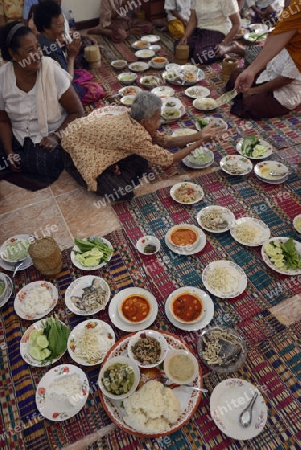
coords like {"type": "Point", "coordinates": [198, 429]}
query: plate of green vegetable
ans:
{"type": "Point", "coordinates": [15, 248]}
{"type": "Point", "coordinates": [199, 158]}
{"type": "Point", "coordinates": [44, 342]}
{"type": "Point", "coordinates": [91, 253]}
{"type": "Point", "coordinates": [254, 148]}
{"type": "Point", "coordinates": [283, 255]}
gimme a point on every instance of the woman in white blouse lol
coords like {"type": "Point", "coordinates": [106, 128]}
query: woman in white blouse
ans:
{"type": "Point", "coordinates": [212, 24]}
{"type": "Point", "coordinates": [37, 101]}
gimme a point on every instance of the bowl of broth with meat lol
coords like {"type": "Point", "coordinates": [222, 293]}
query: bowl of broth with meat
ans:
{"type": "Point", "coordinates": [135, 308]}
{"type": "Point", "coordinates": [186, 306]}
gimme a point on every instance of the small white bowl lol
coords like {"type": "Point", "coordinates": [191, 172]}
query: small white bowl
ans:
{"type": "Point", "coordinates": [147, 240]}
{"type": "Point", "coordinates": [187, 362]}
{"type": "Point", "coordinates": [205, 104]}
{"type": "Point", "coordinates": [127, 77]}
{"type": "Point", "coordinates": [138, 66]}
{"type": "Point", "coordinates": [135, 322]}
{"type": "Point", "coordinates": [146, 334]}
{"type": "Point", "coordinates": [188, 290]}
{"type": "Point", "coordinates": [163, 91]}
{"type": "Point", "coordinates": [132, 369]}
{"type": "Point", "coordinates": [297, 224]}
{"type": "Point", "coordinates": [145, 54]}
{"type": "Point", "coordinates": [119, 64]}
{"type": "Point", "coordinates": [127, 100]}
{"type": "Point", "coordinates": [189, 247]}
{"type": "Point", "coordinates": [155, 48]}
{"type": "Point", "coordinates": [159, 62]}
{"type": "Point", "coordinates": [129, 90]}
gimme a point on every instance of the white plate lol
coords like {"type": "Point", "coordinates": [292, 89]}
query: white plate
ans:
{"type": "Point", "coordinates": [205, 319]}
{"type": "Point", "coordinates": [11, 267]}
{"type": "Point", "coordinates": [258, 224]}
{"type": "Point", "coordinates": [296, 224]}
{"type": "Point", "coordinates": [187, 184]}
{"type": "Point", "coordinates": [262, 170]}
{"type": "Point", "coordinates": [127, 100]}
{"type": "Point", "coordinates": [153, 66]}
{"type": "Point", "coordinates": [149, 81]}
{"type": "Point", "coordinates": [76, 289]}
{"type": "Point", "coordinates": [205, 104]}
{"type": "Point", "coordinates": [24, 346]}
{"type": "Point", "coordinates": [257, 38]}
{"type": "Point", "coordinates": [226, 214]}
{"type": "Point", "coordinates": [194, 165]}
{"type": "Point", "coordinates": [8, 291]}
{"type": "Point", "coordinates": [16, 238]}
{"type": "Point", "coordinates": [102, 328]}
{"type": "Point", "coordinates": [178, 81]}
{"type": "Point", "coordinates": [147, 240]}
{"type": "Point", "coordinates": [143, 335]}
{"type": "Point", "coordinates": [163, 91]}
{"type": "Point", "coordinates": [269, 263]}
{"type": "Point", "coordinates": [232, 163]}
{"type": "Point", "coordinates": [21, 297]}
{"type": "Point", "coordinates": [138, 66]}
{"type": "Point", "coordinates": [151, 38]}
{"type": "Point", "coordinates": [182, 111]}
{"type": "Point", "coordinates": [140, 47]}
{"type": "Point", "coordinates": [261, 142]}
{"type": "Point", "coordinates": [145, 54]}
{"type": "Point", "coordinates": [184, 132]}
{"type": "Point", "coordinates": [189, 398]}
{"type": "Point", "coordinates": [197, 92]}
{"type": "Point", "coordinates": [184, 251]}
{"type": "Point", "coordinates": [129, 90]}
{"type": "Point", "coordinates": [99, 266]}
{"type": "Point", "coordinates": [211, 120]}
{"type": "Point", "coordinates": [228, 399]}
{"type": "Point", "coordinates": [238, 277]}
{"type": "Point", "coordinates": [116, 301]}
{"type": "Point", "coordinates": [172, 103]}
{"type": "Point", "coordinates": [58, 408]}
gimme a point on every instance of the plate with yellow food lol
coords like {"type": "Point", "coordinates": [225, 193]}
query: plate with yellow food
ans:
{"type": "Point", "coordinates": [271, 172]}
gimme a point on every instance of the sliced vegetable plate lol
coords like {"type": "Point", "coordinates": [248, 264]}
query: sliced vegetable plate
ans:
{"type": "Point", "coordinates": [283, 255]}
{"type": "Point", "coordinates": [91, 253]}
{"type": "Point", "coordinates": [199, 158]}
{"type": "Point", "coordinates": [36, 300]}
{"type": "Point", "coordinates": [44, 342]}
{"type": "Point", "coordinates": [236, 165]}
{"type": "Point", "coordinates": [254, 148]}
{"type": "Point", "coordinates": [250, 231]}
{"type": "Point", "coordinates": [217, 122]}
{"type": "Point", "coordinates": [90, 341]}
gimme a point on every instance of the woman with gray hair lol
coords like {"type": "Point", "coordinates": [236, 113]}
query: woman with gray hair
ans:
{"type": "Point", "coordinates": [109, 154]}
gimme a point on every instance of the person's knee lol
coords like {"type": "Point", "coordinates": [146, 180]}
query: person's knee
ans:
{"type": "Point", "coordinates": [119, 35]}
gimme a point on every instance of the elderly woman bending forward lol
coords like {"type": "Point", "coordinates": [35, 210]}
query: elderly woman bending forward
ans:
{"type": "Point", "coordinates": [110, 154]}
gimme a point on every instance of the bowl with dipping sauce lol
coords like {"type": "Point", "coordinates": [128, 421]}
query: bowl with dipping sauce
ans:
{"type": "Point", "coordinates": [118, 377]}
{"type": "Point", "coordinates": [135, 308]}
{"type": "Point", "coordinates": [119, 64]}
{"type": "Point", "coordinates": [159, 62]}
{"type": "Point", "coordinates": [184, 236]}
{"type": "Point", "coordinates": [148, 348]}
{"type": "Point", "coordinates": [181, 366]}
{"type": "Point", "coordinates": [148, 245]}
{"type": "Point", "coordinates": [186, 304]}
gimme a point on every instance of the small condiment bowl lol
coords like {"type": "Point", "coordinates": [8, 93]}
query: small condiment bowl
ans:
{"type": "Point", "coordinates": [127, 77]}
{"type": "Point", "coordinates": [177, 362]}
{"type": "Point", "coordinates": [145, 241]}
{"type": "Point", "coordinates": [119, 64]}
{"type": "Point", "coordinates": [146, 334]}
{"type": "Point", "coordinates": [132, 369]}
{"type": "Point", "coordinates": [297, 224]}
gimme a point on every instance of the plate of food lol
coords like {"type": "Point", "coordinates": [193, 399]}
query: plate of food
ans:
{"type": "Point", "coordinates": [172, 114]}
{"type": "Point", "coordinates": [36, 300]}
{"type": "Point", "coordinates": [185, 239]}
{"type": "Point", "coordinates": [6, 288]}
{"type": "Point", "coordinates": [254, 36]}
{"type": "Point", "coordinates": [138, 66]}
{"type": "Point", "coordinates": [186, 193]}
{"type": "Point", "coordinates": [236, 165]}
{"type": "Point", "coordinates": [221, 349]}
{"type": "Point", "coordinates": [129, 90]}
{"type": "Point", "coordinates": [239, 393]}
{"type": "Point", "coordinates": [119, 64]}
{"type": "Point", "coordinates": [172, 102]}
{"type": "Point", "coordinates": [155, 410]}
{"type": "Point", "coordinates": [205, 104]}
{"type": "Point", "coordinates": [217, 122]}
{"type": "Point", "coordinates": [145, 54]}
{"type": "Point", "coordinates": [250, 231]}
{"type": "Point", "coordinates": [90, 341]}
{"type": "Point", "coordinates": [150, 38]}
{"type": "Point", "coordinates": [141, 44]}
{"type": "Point", "coordinates": [44, 342]}
{"type": "Point", "coordinates": [148, 348]}
{"type": "Point", "coordinates": [184, 132]}
{"type": "Point", "coordinates": [254, 148]}
{"type": "Point", "coordinates": [158, 62]}
{"type": "Point", "coordinates": [163, 91]}
{"type": "Point", "coordinates": [124, 311]}
{"type": "Point", "coordinates": [148, 245]}
{"type": "Point", "coordinates": [186, 319]}
{"type": "Point", "coordinates": [224, 279]}
{"type": "Point", "coordinates": [127, 77]}
{"type": "Point", "coordinates": [199, 158]}
{"type": "Point", "coordinates": [283, 255]}
{"type": "Point", "coordinates": [180, 77]}
{"type": "Point", "coordinates": [15, 248]}
{"type": "Point", "coordinates": [149, 81]}
{"type": "Point", "coordinates": [215, 219]}
{"type": "Point", "coordinates": [109, 111]}
{"type": "Point", "coordinates": [271, 172]}
{"type": "Point", "coordinates": [87, 295]}
{"type": "Point", "coordinates": [197, 92]}
{"type": "Point", "coordinates": [62, 392]}
{"type": "Point", "coordinates": [91, 253]}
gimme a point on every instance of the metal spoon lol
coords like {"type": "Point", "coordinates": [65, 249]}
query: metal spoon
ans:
{"type": "Point", "coordinates": [245, 417]}
{"type": "Point", "coordinates": [168, 382]}
{"type": "Point", "coordinates": [277, 174]}
{"type": "Point", "coordinates": [19, 266]}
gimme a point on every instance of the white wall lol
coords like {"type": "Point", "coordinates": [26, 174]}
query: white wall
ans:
{"type": "Point", "coordinates": [82, 9]}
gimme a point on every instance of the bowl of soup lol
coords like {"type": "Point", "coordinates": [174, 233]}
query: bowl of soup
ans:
{"type": "Point", "coordinates": [159, 62]}
{"type": "Point", "coordinates": [119, 64]}
{"type": "Point", "coordinates": [181, 366]}
{"type": "Point", "coordinates": [184, 236]}
{"type": "Point", "coordinates": [135, 308]}
{"type": "Point", "coordinates": [186, 306]}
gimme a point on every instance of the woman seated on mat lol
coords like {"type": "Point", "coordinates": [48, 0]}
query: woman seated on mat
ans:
{"type": "Point", "coordinates": [111, 152]}
{"type": "Point", "coordinates": [36, 103]}
{"type": "Point", "coordinates": [211, 25]}
{"type": "Point", "coordinates": [277, 90]}
{"type": "Point", "coordinates": [116, 24]}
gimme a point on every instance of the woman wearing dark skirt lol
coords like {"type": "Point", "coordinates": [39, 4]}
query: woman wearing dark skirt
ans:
{"type": "Point", "coordinates": [212, 24]}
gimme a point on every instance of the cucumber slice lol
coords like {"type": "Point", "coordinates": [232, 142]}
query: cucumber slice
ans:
{"type": "Point", "coordinates": [36, 353]}
{"type": "Point", "coordinates": [33, 336]}
{"type": "Point", "coordinates": [46, 352]}
{"type": "Point", "coordinates": [42, 341]}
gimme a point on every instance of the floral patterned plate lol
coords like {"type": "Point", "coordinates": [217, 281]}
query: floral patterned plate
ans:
{"type": "Point", "coordinates": [228, 399]}
{"type": "Point", "coordinates": [26, 304]}
{"type": "Point", "coordinates": [62, 407]}
{"type": "Point", "coordinates": [189, 398]}
{"type": "Point", "coordinates": [236, 165]}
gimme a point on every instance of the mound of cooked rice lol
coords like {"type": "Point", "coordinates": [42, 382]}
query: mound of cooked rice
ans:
{"type": "Point", "coordinates": [152, 409]}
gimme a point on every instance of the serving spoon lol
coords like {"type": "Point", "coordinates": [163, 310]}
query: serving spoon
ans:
{"type": "Point", "coordinates": [245, 417]}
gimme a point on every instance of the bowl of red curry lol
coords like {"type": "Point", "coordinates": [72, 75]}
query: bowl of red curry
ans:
{"type": "Point", "coordinates": [136, 307]}
{"type": "Point", "coordinates": [184, 236]}
{"type": "Point", "coordinates": [186, 304]}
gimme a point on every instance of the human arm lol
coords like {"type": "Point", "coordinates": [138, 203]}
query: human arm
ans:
{"type": "Point", "coordinates": [270, 86]}
{"type": "Point", "coordinates": [192, 24]}
{"type": "Point", "coordinates": [274, 44]}
{"type": "Point", "coordinates": [235, 21]}
{"type": "Point", "coordinates": [6, 138]}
